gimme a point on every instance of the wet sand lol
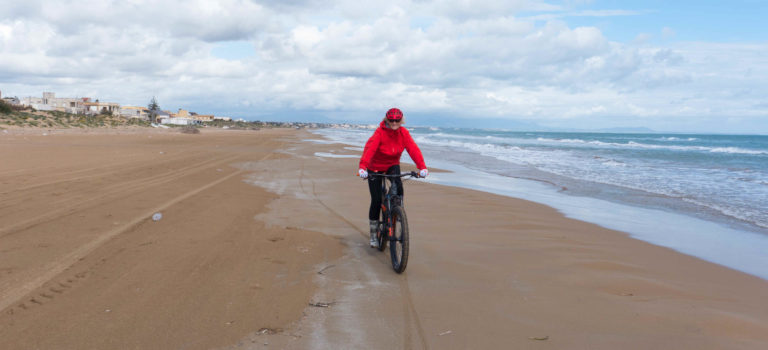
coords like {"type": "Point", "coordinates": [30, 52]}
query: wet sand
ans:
{"type": "Point", "coordinates": [256, 228]}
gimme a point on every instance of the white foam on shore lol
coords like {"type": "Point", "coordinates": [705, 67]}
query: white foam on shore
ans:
{"type": "Point", "coordinates": [332, 155]}
{"type": "Point", "coordinates": [736, 249]}
{"type": "Point", "coordinates": [321, 141]}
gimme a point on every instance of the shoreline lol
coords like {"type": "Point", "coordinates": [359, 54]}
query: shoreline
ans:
{"type": "Point", "coordinates": [739, 246]}
{"type": "Point", "coordinates": [711, 241]}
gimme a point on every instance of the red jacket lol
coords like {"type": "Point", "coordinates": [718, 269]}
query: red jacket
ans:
{"type": "Point", "coordinates": [384, 148]}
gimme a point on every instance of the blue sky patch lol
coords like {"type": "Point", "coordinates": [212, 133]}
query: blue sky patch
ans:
{"type": "Point", "coordinates": [233, 50]}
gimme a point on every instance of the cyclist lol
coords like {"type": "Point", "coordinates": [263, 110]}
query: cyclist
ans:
{"type": "Point", "coordinates": [382, 155]}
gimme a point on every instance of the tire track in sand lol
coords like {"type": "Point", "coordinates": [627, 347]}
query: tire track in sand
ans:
{"type": "Point", "coordinates": [410, 315]}
{"type": "Point", "coordinates": [92, 172]}
{"type": "Point", "coordinates": [57, 267]}
{"type": "Point", "coordinates": [121, 188]}
{"type": "Point", "coordinates": [20, 193]}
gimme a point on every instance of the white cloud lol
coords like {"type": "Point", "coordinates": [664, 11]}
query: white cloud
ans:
{"type": "Point", "coordinates": [463, 58]}
{"type": "Point", "coordinates": [469, 9]}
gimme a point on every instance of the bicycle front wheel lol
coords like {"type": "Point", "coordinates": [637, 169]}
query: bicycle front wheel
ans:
{"type": "Point", "coordinates": [381, 236]}
{"type": "Point", "coordinates": [398, 242]}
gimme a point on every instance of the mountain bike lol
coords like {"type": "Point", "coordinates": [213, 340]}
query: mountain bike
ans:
{"type": "Point", "coordinates": [393, 225]}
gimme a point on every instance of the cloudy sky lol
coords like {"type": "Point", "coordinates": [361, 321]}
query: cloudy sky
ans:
{"type": "Point", "coordinates": [694, 66]}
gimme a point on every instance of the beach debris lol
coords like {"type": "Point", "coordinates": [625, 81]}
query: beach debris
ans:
{"type": "Point", "coordinates": [627, 294]}
{"type": "Point", "coordinates": [108, 310]}
{"type": "Point", "coordinates": [269, 331]}
{"type": "Point", "coordinates": [445, 333]}
{"type": "Point", "coordinates": [161, 152]}
{"type": "Point", "coordinates": [321, 304]}
{"type": "Point", "coordinates": [325, 268]}
{"type": "Point", "coordinates": [189, 129]}
{"type": "Point", "coordinates": [157, 217]}
{"type": "Point", "coordinates": [229, 323]}
{"type": "Point", "coordinates": [546, 337]}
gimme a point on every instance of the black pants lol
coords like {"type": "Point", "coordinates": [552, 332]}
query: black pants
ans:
{"type": "Point", "coordinates": [374, 185]}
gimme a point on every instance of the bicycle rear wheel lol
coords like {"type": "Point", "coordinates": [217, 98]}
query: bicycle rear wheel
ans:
{"type": "Point", "coordinates": [398, 245]}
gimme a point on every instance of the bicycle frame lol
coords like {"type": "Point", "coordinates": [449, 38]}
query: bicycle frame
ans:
{"type": "Point", "coordinates": [393, 217]}
{"type": "Point", "coordinates": [390, 198]}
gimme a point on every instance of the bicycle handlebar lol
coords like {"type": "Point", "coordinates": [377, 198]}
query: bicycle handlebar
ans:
{"type": "Point", "coordinates": [412, 174]}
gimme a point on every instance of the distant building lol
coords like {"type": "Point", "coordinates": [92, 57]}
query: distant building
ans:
{"type": "Point", "coordinates": [36, 103]}
{"type": "Point", "coordinates": [134, 112]}
{"type": "Point", "coordinates": [49, 102]}
{"type": "Point", "coordinates": [13, 101]}
{"type": "Point", "coordinates": [97, 107]}
{"type": "Point", "coordinates": [179, 121]}
{"type": "Point", "coordinates": [205, 117]}
{"type": "Point", "coordinates": [182, 113]}
{"type": "Point", "coordinates": [69, 105]}
{"type": "Point", "coordinates": [162, 115]}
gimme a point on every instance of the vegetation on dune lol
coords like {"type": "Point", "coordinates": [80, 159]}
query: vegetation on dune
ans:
{"type": "Point", "coordinates": [257, 124]}
{"type": "Point", "coordinates": [19, 116]}
{"type": "Point", "coordinates": [237, 125]}
{"type": "Point", "coordinates": [5, 108]}
{"type": "Point", "coordinates": [28, 117]}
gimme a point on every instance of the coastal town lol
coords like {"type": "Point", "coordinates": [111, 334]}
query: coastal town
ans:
{"type": "Point", "coordinates": [89, 106]}
{"type": "Point", "coordinates": [52, 111]}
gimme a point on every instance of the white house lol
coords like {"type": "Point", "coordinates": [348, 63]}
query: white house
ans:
{"type": "Point", "coordinates": [179, 121]}
{"type": "Point", "coordinates": [49, 102]}
{"type": "Point", "coordinates": [36, 103]}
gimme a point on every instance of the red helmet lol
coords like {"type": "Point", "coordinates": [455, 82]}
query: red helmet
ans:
{"type": "Point", "coordinates": [394, 114]}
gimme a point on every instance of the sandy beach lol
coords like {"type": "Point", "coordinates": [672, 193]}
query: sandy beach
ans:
{"type": "Point", "coordinates": [262, 244]}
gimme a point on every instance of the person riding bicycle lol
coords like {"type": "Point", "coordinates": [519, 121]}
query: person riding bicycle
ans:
{"type": "Point", "coordinates": [382, 155]}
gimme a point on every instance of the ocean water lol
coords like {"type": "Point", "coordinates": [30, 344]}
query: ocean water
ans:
{"type": "Point", "coordinates": [705, 195]}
